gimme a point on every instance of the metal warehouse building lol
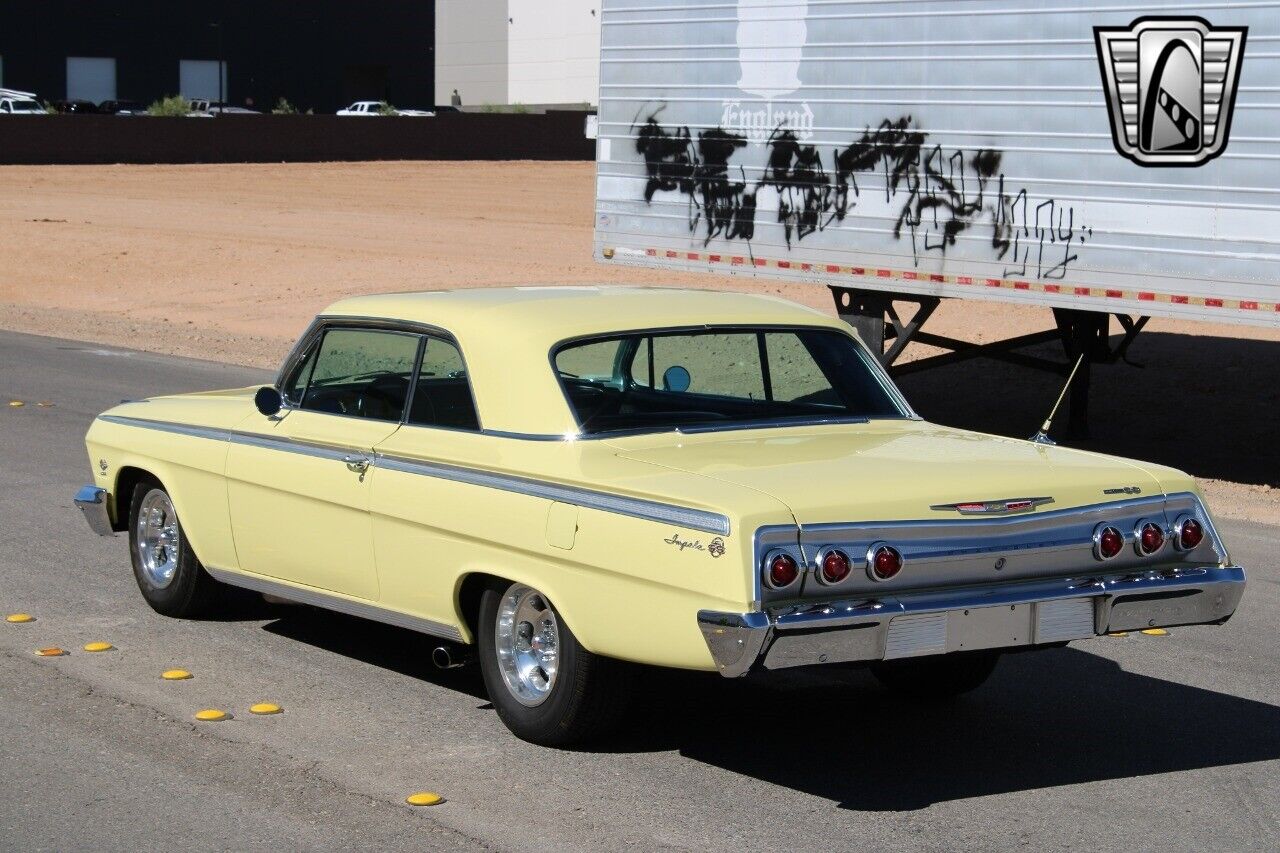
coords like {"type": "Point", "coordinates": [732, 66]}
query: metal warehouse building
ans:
{"type": "Point", "coordinates": [320, 54]}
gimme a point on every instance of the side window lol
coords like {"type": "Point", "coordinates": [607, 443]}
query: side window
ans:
{"type": "Point", "coordinates": [794, 375]}
{"type": "Point", "coordinates": [442, 397]}
{"type": "Point", "coordinates": [724, 364]}
{"type": "Point", "coordinates": [597, 361]}
{"type": "Point", "coordinates": [361, 373]}
{"type": "Point", "coordinates": [295, 384]}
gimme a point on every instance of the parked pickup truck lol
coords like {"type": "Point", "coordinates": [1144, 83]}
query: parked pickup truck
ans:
{"type": "Point", "coordinates": [565, 482]}
{"type": "Point", "coordinates": [15, 103]}
{"type": "Point", "coordinates": [379, 108]}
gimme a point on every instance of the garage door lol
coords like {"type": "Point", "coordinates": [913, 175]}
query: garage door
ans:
{"type": "Point", "coordinates": [91, 78]}
{"type": "Point", "coordinates": [198, 78]}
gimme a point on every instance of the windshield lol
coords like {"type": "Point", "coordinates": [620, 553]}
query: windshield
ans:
{"type": "Point", "coordinates": [720, 377]}
{"type": "Point", "coordinates": [27, 105]}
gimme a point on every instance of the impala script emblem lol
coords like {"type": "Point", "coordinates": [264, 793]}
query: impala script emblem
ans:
{"type": "Point", "coordinates": [715, 548]}
{"type": "Point", "coordinates": [1171, 88]}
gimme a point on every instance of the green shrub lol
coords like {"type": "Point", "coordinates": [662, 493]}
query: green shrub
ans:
{"type": "Point", "coordinates": [174, 105]}
{"type": "Point", "coordinates": [284, 108]}
{"type": "Point", "coordinates": [385, 109]}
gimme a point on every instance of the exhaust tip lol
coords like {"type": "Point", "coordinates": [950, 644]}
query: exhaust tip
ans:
{"type": "Point", "coordinates": [445, 657]}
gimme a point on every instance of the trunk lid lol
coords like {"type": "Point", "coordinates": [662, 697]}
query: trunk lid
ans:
{"type": "Point", "coordinates": [892, 470]}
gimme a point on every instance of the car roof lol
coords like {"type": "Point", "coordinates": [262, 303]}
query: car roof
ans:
{"type": "Point", "coordinates": [506, 334]}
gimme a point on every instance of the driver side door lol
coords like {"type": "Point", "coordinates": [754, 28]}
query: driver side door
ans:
{"type": "Point", "coordinates": [299, 482]}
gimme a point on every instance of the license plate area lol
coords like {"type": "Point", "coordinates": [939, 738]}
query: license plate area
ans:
{"type": "Point", "coordinates": [1002, 626]}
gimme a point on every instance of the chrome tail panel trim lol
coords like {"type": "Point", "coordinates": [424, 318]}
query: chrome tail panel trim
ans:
{"type": "Point", "coordinates": [995, 616]}
{"type": "Point", "coordinates": [649, 510]}
{"type": "Point", "coordinates": [328, 601]}
{"type": "Point", "coordinates": [95, 503]}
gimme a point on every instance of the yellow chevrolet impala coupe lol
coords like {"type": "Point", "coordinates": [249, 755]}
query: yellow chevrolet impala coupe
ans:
{"type": "Point", "coordinates": [557, 481]}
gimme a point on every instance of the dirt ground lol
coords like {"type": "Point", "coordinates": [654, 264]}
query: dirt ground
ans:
{"type": "Point", "coordinates": [229, 263]}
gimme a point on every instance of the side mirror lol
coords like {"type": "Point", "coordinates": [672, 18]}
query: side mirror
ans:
{"type": "Point", "coordinates": [268, 400]}
{"type": "Point", "coordinates": [676, 378]}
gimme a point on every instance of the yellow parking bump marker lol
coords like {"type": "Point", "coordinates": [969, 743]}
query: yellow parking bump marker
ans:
{"type": "Point", "coordinates": [99, 646]}
{"type": "Point", "coordinates": [175, 675]}
{"type": "Point", "coordinates": [1155, 632]}
{"type": "Point", "coordinates": [19, 618]}
{"type": "Point", "coordinates": [16, 403]}
{"type": "Point", "coordinates": [211, 715]}
{"type": "Point", "coordinates": [51, 652]}
{"type": "Point", "coordinates": [45, 404]}
{"type": "Point", "coordinates": [1118, 634]}
{"type": "Point", "coordinates": [424, 798]}
{"type": "Point", "coordinates": [263, 708]}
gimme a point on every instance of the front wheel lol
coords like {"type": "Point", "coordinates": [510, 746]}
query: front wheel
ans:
{"type": "Point", "coordinates": [546, 688]}
{"type": "Point", "coordinates": [937, 677]}
{"type": "Point", "coordinates": [168, 573]}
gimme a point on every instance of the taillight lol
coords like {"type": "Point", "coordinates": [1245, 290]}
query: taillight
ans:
{"type": "Point", "coordinates": [1187, 534]}
{"type": "Point", "coordinates": [883, 562]}
{"type": "Point", "coordinates": [1149, 538]}
{"type": "Point", "coordinates": [780, 571]}
{"type": "Point", "coordinates": [1108, 541]}
{"type": "Point", "coordinates": [834, 566]}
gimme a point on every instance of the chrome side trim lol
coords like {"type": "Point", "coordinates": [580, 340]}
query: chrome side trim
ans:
{"type": "Point", "coordinates": [328, 601]}
{"type": "Point", "coordinates": [94, 501]}
{"type": "Point", "coordinates": [694, 519]}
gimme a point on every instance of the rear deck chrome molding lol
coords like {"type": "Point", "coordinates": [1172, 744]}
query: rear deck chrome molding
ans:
{"type": "Point", "coordinates": [685, 517]}
{"type": "Point", "coordinates": [328, 601]}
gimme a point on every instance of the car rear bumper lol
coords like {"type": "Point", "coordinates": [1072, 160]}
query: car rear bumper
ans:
{"type": "Point", "coordinates": [980, 617]}
{"type": "Point", "coordinates": [94, 502]}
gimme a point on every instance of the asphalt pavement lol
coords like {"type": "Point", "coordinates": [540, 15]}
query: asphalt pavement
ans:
{"type": "Point", "coordinates": [1142, 742]}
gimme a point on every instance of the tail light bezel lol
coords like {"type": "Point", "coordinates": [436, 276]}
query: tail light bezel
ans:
{"type": "Point", "coordinates": [1098, 533]}
{"type": "Point", "coordinates": [874, 549]}
{"type": "Point", "coordinates": [766, 571]}
{"type": "Point", "coordinates": [821, 573]}
{"type": "Point", "coordinates": [1178, 543]}
{"type": "Point", "coordinates": [1140, 528]}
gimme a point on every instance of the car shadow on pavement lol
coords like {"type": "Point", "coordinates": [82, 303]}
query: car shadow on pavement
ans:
{"type": "Point", "coordinates": [396, 649]}
{"type": "Point", "coordinates": [1205, 405]}
{"type": "Point", "coordinates": [1056, 717]}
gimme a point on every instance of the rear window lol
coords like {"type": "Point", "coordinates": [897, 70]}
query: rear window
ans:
{"type": "Point", "coordinates": [718, 378]}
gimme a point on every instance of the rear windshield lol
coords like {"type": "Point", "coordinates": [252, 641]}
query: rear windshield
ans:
{"type": "Point", "coordinates": [720, 377]}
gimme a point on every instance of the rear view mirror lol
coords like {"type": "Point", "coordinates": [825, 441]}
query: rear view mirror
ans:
{"type": "Point", "coordinates": [268, 400]}
{"type": "Point", "coordinates": [676, 378]}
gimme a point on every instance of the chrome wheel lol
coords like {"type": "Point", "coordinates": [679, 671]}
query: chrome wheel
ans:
{"type": "Point", "coordinates": [158, 539]}
{"type": "Point", "coordinates": [527, 642]}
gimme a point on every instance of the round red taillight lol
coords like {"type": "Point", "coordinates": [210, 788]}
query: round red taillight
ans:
{"type": "Point", "coordinates": [781, 571]}
{"type": "Point", "coordinates": [835, 566]}
{"type": "Point", "coordinates": [1190, 533]}
{"type": "Point", "coordinates": [1150, 538]}
{"type": "Point", "coordinates": [1108, 542]}
{"type": "Point", "coordinates": [884, 561]}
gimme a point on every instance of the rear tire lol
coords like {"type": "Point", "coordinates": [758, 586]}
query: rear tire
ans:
{"type": "Point", "coordinates": [168, 573]}
{"type": "Point", "coordinates": [565, 697]}
{"type": "Point", "coordinates": [938, 677]}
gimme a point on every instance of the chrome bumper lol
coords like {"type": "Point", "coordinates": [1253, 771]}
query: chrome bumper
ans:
{"type": "Point", "coordinates": [93, 502]}
{"type": "Point", "coordinates": [987, 617]}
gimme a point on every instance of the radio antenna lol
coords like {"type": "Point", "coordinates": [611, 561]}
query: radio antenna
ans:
{"type": "Point", "coordinates": [1042, 437]}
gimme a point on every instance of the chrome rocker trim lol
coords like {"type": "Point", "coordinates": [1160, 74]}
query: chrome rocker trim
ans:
{"type": "Point", "coordinates": [94, 502]}
{"type": "Point", "coordinates": [329, 601]}
{"type": "Point", "coordinates": [934, 622]}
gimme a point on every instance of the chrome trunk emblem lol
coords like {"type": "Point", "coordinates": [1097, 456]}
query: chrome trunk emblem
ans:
{"type": "Point", "coordinates": [1171, 87]}
{"type": "Point", "coordinates": [1000, 507]}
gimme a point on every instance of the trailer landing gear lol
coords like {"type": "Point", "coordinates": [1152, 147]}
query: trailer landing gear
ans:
{"type": "Point", "coordinates": [874, 316]}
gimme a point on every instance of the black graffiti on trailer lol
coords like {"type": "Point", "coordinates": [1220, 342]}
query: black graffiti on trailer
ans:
{"type": "Point", "coordinates": [942, 192]}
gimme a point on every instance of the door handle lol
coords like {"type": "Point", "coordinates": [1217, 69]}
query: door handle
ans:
{"type": "Point", "coordinates": [356, 464]}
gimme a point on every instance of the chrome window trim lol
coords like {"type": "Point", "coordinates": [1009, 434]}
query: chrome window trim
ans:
{"type": "Point", "coordinates": [328, 601]}
{"type": "Point", "coordinates": [873, 364]}
{"type": "Point", "coordinates": [649, 510]}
